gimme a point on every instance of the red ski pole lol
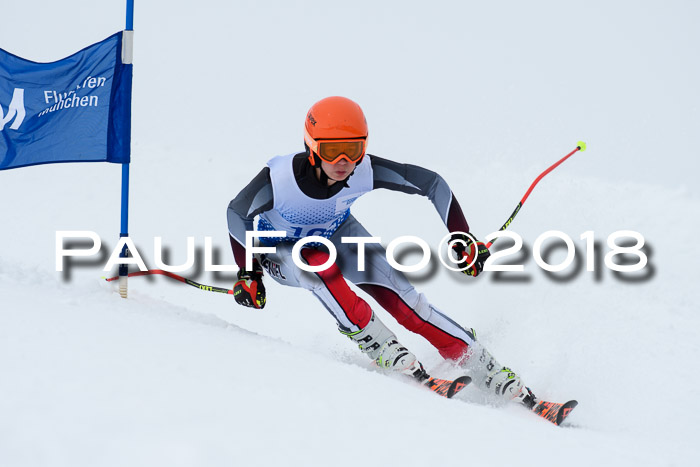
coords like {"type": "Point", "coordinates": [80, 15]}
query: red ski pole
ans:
{"type": "Point", "coordinates": [208, 288]}
{"type": "Point", "coordinates": [581, 146]}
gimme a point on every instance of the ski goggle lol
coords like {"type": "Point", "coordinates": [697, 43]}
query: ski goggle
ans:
{"type": "Point", "coordinates": [333, 150]}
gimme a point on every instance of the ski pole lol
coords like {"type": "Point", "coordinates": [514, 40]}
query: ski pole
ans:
{"type": "Point", "coordinates": [581, 146]}
{"type": "Point", "coordinates": [208, 288]}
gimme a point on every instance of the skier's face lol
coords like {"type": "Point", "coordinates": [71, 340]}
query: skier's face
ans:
{"type": "Point", "coordinates": [338, 171]}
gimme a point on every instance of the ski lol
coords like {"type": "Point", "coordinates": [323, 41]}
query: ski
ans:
{"type": "Point", "coordinates": [553, 411]}
{"type": "Point", "coordinates": [445, 387]}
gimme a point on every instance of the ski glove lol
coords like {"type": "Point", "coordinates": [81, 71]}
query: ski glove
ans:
{"type": "Point", "coordinates": [249, 289]}
{"type": "Point", "coordinates": [467, 250]}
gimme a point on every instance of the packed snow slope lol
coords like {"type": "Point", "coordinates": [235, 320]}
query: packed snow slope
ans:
{"type": "Point", "coordinates": [488, 96]}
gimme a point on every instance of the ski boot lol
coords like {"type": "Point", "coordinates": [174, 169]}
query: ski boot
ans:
{"type": "Point", "coordinates": [527, 398]}
{"type": "Point", "coordinates": [382, 346]}
{"type": "Point", "coordinates": [508, 385]}
{"type": "Point", "coordinates": [494, 378]}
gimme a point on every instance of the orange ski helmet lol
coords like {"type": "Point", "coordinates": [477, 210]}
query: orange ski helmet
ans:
{"type": "Point", "coordinates": [336, 129]}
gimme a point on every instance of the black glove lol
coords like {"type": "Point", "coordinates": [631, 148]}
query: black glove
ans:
{"type": "Point", "coordinates": [249, 289]}
{"type": "Point", "coordinates": [467, 250]}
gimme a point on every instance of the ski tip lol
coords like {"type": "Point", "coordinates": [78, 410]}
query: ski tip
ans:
{"type": "Point", "coordinates": [564, 411]}
{"type": "Point", "coordinates": [554, 412]}
{"type": "Point", "coordinates": [457, 385]}
{"type": "Point", "coordinates": [445, 387]}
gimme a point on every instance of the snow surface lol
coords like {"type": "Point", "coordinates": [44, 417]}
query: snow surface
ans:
{"type": "Point", "coordinates": [488, 96]}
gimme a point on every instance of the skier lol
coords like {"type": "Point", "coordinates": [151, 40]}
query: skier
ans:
{"type": "Point", "coordinates": [310, 193]}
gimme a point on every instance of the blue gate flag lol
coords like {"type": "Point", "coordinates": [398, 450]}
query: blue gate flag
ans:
{"type": "Point", "coordinates": [77, 109]}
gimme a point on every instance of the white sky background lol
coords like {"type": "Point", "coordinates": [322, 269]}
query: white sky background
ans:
{"type": "Point", "coordinates": [512, 82]}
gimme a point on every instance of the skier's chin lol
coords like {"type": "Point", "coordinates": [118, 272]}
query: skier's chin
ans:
{"type": "Point", "coordinates": [337, 175]}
